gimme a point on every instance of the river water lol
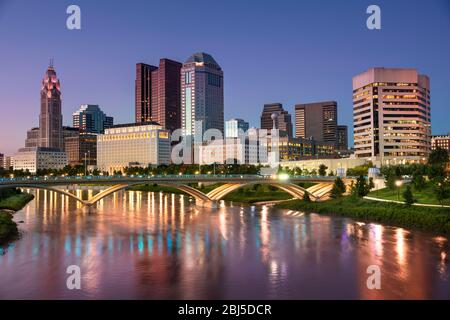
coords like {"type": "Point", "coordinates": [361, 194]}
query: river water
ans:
{"type": "Point", "coordinates": [144, 245]}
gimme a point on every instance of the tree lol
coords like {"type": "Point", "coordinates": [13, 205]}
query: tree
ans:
{"type": "Point", "coordinates": [338, 188]}
{"type": "Point", "coordinates": [408, 196]}
{"type": "Point", "coordinates": [441, 190]}
{"type": "Point", "coordinates": [361, 188]}
{"type": "Point", "coordinates": [438, 156]}
{"type": "Point", "coordinates": [306, 197]}
{"type": "Point", "coordinates": [323, 170]}
{"type": "Point", "coordinates": [418, 181]}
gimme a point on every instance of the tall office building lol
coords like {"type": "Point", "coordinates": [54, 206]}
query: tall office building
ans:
{"type": "Point", "coordinates": [50, 118]}
{"type": "Point", "coordinates": [143, 92]}
{"type": "Point", "coordinates": [128, 145]}
{"type": "Point", "coordinates": [342, 139]}
{"type": "Point", "coordinates": [166, 94]}
{"type": "Point", "coordinates": [283, 121]}
{"type": "Point", "coordinates": [81, 149]}
{"type": "Point", "coordinates": [202, 96]}
{"type": "Point", "coordinates": [2, 161]}
{"type": "Point", "coordinates": [391, 115]}
{"type": "Point", "coordinates": [317, 120]}
{"type": "Point", "coordinates": [234, 126]}
{"type": "Point", "coordinates": [89, 118]}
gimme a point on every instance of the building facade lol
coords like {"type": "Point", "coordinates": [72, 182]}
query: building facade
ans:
{"type": "Point", "coordinates": [32, 139]}
{"type": "Point", "coordinates": [2, 161]}
{"type": "Point", "coordinates": [81, 149]}
{"type": "Point", "coordinates": [235, 127]}
{"type": "Point", "coordinates": [39, 158]}
{"type": "Point", "coordinates": [202, 94]}
{"type": "Point", "coordinates": [442, 142]}
{"type": "Point", "coordinates": [143, 92]}
{"type": "Point", "coordinates": [391, 115]}
{"type": "Point", "coordinates": [89, 118]}
{"type": "Point", "coordinates": [317, 120]}
{"type": "Point", "coordinates": [166, 94]}
{"type": "Point", "coordinates": [342, 137]}
{"type": "Point", "coordinates": [127, 145]}
{"type": "Point", "coordinates": [50, 118]}
{"type": "Point", "coordinates": [282, 119]}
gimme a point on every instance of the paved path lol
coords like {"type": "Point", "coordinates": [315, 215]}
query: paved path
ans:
{"type": "Point", "coordinates": [401, 202]}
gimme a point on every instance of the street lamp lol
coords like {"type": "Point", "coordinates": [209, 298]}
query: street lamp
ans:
{"type": "Point", "coordinates": [398, 184]}
{"type": "Point", "coordinates": [85, 159]}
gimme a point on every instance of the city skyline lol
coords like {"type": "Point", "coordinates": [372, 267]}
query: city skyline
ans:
{"type": "Point", "coordinates": [296, 78]}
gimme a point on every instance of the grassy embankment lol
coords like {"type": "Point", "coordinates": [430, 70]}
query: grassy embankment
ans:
{"type": "Point", "coordinates": [425, 218]}
{"type": "Point", "coordinates": [250, 194]}
{"type": "Point", "coordinates": [425, 195]}
{"type": "Point", "coordinates": [11, 200]}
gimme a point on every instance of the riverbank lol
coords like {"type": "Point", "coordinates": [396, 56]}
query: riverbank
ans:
{"type": "Point", "coordinates": [428, 219]}
{"type": "Point", "coordinates": [424, 196]}
{"type": "Point", "coordinates": [13, 202]}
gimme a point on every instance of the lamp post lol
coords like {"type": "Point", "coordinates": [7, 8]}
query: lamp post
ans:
{"type": "Point", "coordinates": [398, 184]}
{"type": "Point", "coordinates": [85, 159]}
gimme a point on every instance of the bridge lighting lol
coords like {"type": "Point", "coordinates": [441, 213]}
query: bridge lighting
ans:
{"type": "Point", "coordinates": [283, 176]}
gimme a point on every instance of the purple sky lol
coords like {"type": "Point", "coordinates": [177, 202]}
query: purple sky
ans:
{"type": "Point", "coordinates": [271, 51]}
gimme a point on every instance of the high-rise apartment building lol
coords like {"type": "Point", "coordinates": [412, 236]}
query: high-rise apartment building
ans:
{"type": "Point", "coordinates": [166, 94]}
{"type": "Point", "coordinates": [143, 92]}
{"type": "Point", "coordinates": [89, 118]}
{"type": "Point", "coordinates": [317, 120]}
{"type": "Point", "coordinates": [391, 115]}
{"type": "Point", "coordinates": [50, 118]}
{"type": "Point", "coordinates": [342, 139]}
{"type": "Point", "coordinates": [202, 96]}
{"type": "Point", "coordinates": [235, 127]}
{"type": "Point", "coordinates": [282, 118]}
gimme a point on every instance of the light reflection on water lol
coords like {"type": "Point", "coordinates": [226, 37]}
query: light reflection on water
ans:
{"type": "Point", "coordinates": [160, 246]}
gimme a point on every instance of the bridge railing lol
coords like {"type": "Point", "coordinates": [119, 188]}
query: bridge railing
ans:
{"type": "Point", "coordinates": [212, 177]}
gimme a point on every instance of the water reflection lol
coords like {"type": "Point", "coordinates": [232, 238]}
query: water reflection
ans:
{"type": "Point", "coordinates": [155, 245]}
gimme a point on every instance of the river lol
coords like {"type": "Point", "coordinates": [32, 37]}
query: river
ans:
{"type": "Point", "coordinates": [144, 245]}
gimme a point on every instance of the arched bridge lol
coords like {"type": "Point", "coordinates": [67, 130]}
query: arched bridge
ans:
{"type": "Point", "coordinates": [229, 183]}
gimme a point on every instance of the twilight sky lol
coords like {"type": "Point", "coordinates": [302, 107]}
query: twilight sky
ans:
{"type": "Point", "coordinates": [288, 51]}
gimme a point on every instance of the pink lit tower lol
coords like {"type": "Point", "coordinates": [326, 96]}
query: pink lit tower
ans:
{"type": "Point", "coordinates": [50, 118]}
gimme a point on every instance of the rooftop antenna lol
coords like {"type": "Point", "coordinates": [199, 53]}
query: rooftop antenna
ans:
{"type": "Point", "coordinates": [51, 62]}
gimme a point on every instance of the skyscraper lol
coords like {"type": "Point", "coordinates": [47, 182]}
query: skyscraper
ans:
{"type": "Point", "coordinates": [143, 92]}
{"type": "Point", "coordinates": [283, 121]}
{"type": "Point", "coordinates": [317, 120]}
{"type": "Point", "coordinates": [89, 118]}
{"type": "Point", "coordinates": [391, 115]}
{"type": "Point", "coordinates": [166, 94]}
{"type": "Point", "coordinates": [50, 118]}
{"type": "Point", "coordinates": [342, 137]}
{"type": "Point", "coordinates": [201, 94]}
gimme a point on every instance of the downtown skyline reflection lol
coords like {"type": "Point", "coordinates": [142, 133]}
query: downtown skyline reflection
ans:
{"type": "Point", "coordinates": [149, 245]}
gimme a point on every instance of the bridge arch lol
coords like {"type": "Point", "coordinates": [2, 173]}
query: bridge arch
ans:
{"type": "Point", "coordinates": [199, 196]}
{"type": "Point", "coordinates": [293, 189]}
